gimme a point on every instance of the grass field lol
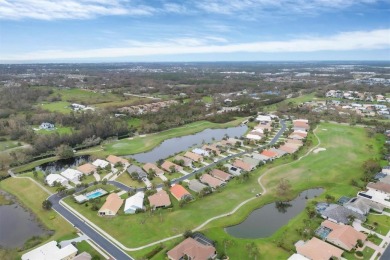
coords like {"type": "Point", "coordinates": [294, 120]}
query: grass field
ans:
{"type": "Point", "coordinates": [77, 95]}
{"type": "Point", "coordinates": [59, 106]}
{"type": "Point", "coordinates": [5, 145]}
{"type": "Point", "coordinates": [143, 144]}
{"type": "Point", "coordinates": [134, 122]}
{"type": "Point", "coordinates": [32, 196]}
{"type": "Point", "coordinates": [295, 101]}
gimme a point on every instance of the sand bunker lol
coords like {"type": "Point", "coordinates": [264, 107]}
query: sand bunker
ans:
{"type": "Point", "coordinates": [319, 150]}
{"type": "Point", "coordinates": [323, 129]}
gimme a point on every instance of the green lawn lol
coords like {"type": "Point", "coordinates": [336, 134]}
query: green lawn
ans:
{"type": "Point", "coordinates": [5, 145]}
{"type": "Point", "coordinates": [134, 122]}
{"type": "Point", "coordinates": [143, 144]}
{"type": "Point", "coordinates": [58, 106]}
{"type": "Point", "coordinates": [207, 99]}
{"type": "Point", "coordinates": [295, 101]}
{"type": "Point", "coordinates": [124, 101]}
{"type": "Point", "coordinates": [76, 95]}
{"type": "Point", "coordinates": [382, 221]}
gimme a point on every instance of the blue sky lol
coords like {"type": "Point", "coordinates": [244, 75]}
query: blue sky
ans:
{"type": "Point", "coordinates": [193, 30]}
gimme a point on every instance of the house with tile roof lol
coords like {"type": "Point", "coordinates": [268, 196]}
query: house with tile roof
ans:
{"type": "Point", "coordinates": [134, 202]}
{"type": "Point", "coordinates": [193, 156]}
{"type": "Point", "coordinates": [343, 236]}
{"type": "Point", "coordinates": [340, 214]}
{"type": "Point", "coordinates": [269, 153]}
{"type": "Point", "coordinates": [317, 249]}
{"type": "Point", "coordinates": [87, 168]}
{"type": "Point", "coordinates": [363, 205]}
{"type": "Point", "coordinates": [223, 176]}
{"type": "Point", "coordinates": [168, 166]}
{"type": "Point", "coordinates": [192, 249]}
{"type": "Point", "coordinates": [379, 187]}
{"type": "Point", "coordinates": [211, 181]}
{"type": "Point", "coordinates": [179, 192]}
{"type": "Point", "coordinates": [186, 161]}
{"type": "Point", "coordinates": [111, 206]}
{"type": "Point", "coordinates": [242, 165]}
{"type": "Point", "coordinates": [150, 166]}
{"type": "Point", "coordinates": [115, 159]}
{"type": "Point", "coordinates": [159, 200]}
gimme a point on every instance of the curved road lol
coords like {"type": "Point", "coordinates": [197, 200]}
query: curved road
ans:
{"type": "Point", "coordinates": [106, 244]}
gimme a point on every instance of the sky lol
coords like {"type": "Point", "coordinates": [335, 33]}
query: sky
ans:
{"type": "Point", "coordinates": [193, 30]}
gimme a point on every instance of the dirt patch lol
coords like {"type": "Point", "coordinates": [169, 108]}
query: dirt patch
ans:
{"type": "Point", "coordinates": [319, 150]}
{"type": "Point", "coordinates": [323, 129]}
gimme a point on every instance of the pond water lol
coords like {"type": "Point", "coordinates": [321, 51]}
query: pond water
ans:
{"type": "Point", "coordinates": [265, 221]}
{"type": "Point", "coordinates": [17, 225]}
{"type": "Point", "coordinates": [63, 164]}
{"type": "Point", "coordinates": [179, 144]}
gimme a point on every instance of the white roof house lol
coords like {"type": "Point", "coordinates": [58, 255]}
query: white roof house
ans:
{"type": "Point", "coordinates": [201, 152]}
{"type": "Point", "coordinates": [134, 202]}
{"type": "Point", "coordinates": [262, 118]}
{"type": "Point", "coordinates": [53, 177]}
{"type": "Point", "coordinates": [51, 251]}
{"type": "Point", "coordinates": [72, 175]}
{"type": "Point", "coordinates": [100, 163]}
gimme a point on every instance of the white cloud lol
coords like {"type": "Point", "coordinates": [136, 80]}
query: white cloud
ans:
{"type": "Point", "coordinates": [346, 41]}
{"type": "Point", "coordinates": [69, 9]}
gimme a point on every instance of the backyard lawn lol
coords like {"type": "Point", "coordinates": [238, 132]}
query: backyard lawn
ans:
{"type": "Point", "coordinates": [58, 106]}
{"type": "Point", "coordinates": [5, 145]}
{"type": "Point", "coordinates": [380, 223]}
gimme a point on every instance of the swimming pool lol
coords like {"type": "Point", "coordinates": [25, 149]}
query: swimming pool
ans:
{"type": "Point", "coordinates": [95, 194]}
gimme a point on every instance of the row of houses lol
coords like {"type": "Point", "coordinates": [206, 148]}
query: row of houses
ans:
{"type": "Point", "coordinates": [147, 108]}
{"type": "Point", "coordinates": [355, 95]}
{"type": "Point", "coordinates": [74, 175]}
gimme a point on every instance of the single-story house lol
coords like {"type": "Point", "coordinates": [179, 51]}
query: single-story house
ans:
{"type": "Point", "coordinates": [150, 166]}
{"type": "Point", "coordinates": [288, 148]}
{"type": "Point", "coordinates": [233, 170]}
{"type": "Point", "coordinates": [111, 206]}
{"type": "Point", "coordinates": [47, 126]}
{"type": "Point", "coordinates": [134, 202]}
{"type": "Point", "coordinates": [56, 178]}
{"type": "Point", "coordinates": [211, 149]}
{"type": "Point", "coordinates": [340, 214]}
{"type": "Point", "coordinates": [363, 206]}
{"type": "Point", "coordinates": [343, 236]}
{"type": "Point", "coordinates": [211, 181]}
{"type": "Point", "coordinates": [270, 154]}
{"type": "Point", "coordinates": [383, 178]}
{"type": "Point", "coordinates": [192, 249]}
{"type": "Point", "coordinates": [167, 165]}
{"type": "Point", "coordinates": [72, 175]}
{"type": "Point", "coordinates": [134, 168]}
{"type": "Point", "coordinates": [196, 185]}
{"type": "Point", "coordinates": [386, 169]}
{"type": "Point", "coordinates": [263, 118]}
{"type": "Point", "coordinates": [278, 151]}
{"type": "Point", "coordinates": [87, 168]}
{"type": "Point", "coordinates": [193, 156]}
{"type": "Point", "coordinates": [317, 249]}
{"type": "Point", "coordinates": [379, 186]}
{"type": "Point", "coordinates": [223, 176]}
{"type": "Point", "coordinates": [259, 157]}
{"type": "Point", "coordinates": [242, 165]}
{"type": "Point", "coordinates": [254, 135]}
{"type": "Point", "coordinates": [179, 192]}
{"type": "Point", "coordinates": [299, 143]}
{"type": "Point", "coordinates": [251, 161]}
{"type": "Point", "coordinates": [115, 159]}
{"type": "Point", "coordinates": [294, 136]}
{"type": "Point", "coordinates": [159, 200]}
{"type": "Point", "coordinates": [186, 161]}
{"type": "Point", "coordinates": [51, 251]}
{"type": "Point", "coordinates": [201, 152]}
{"type": "Point", "coordinates": [100, 163]}
{"type": "Point", "coordinates": [297, 257]}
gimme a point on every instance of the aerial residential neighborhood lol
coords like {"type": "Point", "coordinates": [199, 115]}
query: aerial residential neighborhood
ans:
{"type": "Point", "coordinates": [194, 130]}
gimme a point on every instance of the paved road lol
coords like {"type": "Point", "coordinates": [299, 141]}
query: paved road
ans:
{"type": "Point", "coordinates": [101, 241]}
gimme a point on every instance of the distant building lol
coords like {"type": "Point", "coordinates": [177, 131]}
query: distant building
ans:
{"type": "Point", "coordinates": [47, 126]}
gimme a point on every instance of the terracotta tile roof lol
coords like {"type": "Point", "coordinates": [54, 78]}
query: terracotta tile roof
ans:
{"type": "Point", "coordinates": [343, 236]}
{"type": "Point", "coordinates": [298, 142]}
{"type": "Point", "coordinates": [318, 250]}
{"type": "Point", "coordinates": [159, 199]}
{"type": "Point", "coordinates": [269, 153]}
{"type": "Point", "coordinates": [179, 191]}
{"type": "Point", "coordinates": [192, 249]}
{"type": "Point", "coordinates": [242, 165]}
{"type": "Point", "coordinates": [113, 203]}
{"type": "Point", "coordinates": [186, 160]}
{"type": "Point", "coordinates": [151, 166]}
{"type": "Point", "coordinates": [300, 124]}
{"type": "Point", "coordinates": [86, 168]}
{"type": "Point", "coordinates": [115, 159]}
{"type": "Point", "coordinates": [211, 181]}
{"type": "Point", "coordinates": [288, 149]}
{"type": "Point", "coordinates": [167, 166]}
{"type": "Point", "coordinates": [223, 176]}
{"type": "Point", "coordinates": [303, 134]}
{"type": "Point", "coordinates": [193, 156]}
{"type": "Point", "coordinates": [381, 186]}
{"type": "Point", "coordinates": [211, 148]}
